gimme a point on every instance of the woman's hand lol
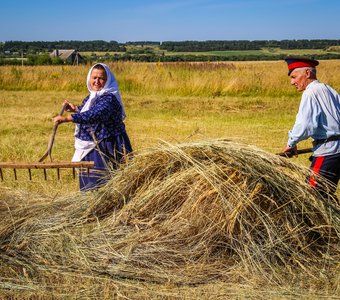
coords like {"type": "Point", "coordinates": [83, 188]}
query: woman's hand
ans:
{"type": "Point", "coordinates": [70, 107]}
{"type": "Point", "coordinates": [62, 119]}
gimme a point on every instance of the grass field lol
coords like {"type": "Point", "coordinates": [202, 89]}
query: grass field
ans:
{"type": "Point", "coordinates": [264, 51]}
{"type": "Point", "coordinates": [248, 102]}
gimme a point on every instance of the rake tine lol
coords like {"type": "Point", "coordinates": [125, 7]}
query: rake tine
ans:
{"type": "Point", "coordinates": [50, 144]}
{"type": "Point", "coordinates": [82, 166]}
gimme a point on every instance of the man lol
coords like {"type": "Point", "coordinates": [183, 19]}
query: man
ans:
{"type": "Point", "coordinates": [319, 118]}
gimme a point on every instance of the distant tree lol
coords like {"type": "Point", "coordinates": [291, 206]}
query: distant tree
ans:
{"type": "Point", "coordinates": [57, 61]}
{"type": "Point", "coordinates": [44, 59]}
{"type": "Point", "coordinates": [143, 43]}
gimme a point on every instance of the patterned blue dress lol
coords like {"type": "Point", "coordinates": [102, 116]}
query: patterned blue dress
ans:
{"type": "Point", "coordinates": [104, 123]}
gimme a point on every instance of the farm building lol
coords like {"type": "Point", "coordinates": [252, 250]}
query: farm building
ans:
{"type": "Point", "coordinates": [68, 56]}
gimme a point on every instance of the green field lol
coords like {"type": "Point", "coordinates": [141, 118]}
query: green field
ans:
{"type": "Point", "coordinates": [265, 51]}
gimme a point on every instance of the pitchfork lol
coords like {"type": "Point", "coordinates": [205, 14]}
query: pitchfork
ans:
{"type": "Point", "coordinates": [51, 165]}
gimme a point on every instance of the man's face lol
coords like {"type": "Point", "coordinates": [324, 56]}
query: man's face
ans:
{"type": "Point", "coordinates": [300, 79]}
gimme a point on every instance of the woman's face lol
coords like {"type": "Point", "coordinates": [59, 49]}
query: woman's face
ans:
{"type": "Point", "coordinates": [97, 80]}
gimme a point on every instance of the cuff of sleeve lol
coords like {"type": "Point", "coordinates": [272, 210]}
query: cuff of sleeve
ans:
{"type": "Point", "coordinates": [75, 118]}
{"type": "Point", "coordinates": [291, 144]}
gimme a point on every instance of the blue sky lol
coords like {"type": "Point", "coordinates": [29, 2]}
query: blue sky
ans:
{"type": "Point", "coordinates": [173, 20]}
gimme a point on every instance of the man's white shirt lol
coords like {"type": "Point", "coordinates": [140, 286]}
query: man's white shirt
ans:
{"type": "Point", "coordinates": [318, 117]}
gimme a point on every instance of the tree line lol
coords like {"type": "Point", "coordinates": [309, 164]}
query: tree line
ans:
{"type": "Point", "coordinates": [37, 53]}
{"type": "Point", "coordinates": [201, 46]}
{"type": "Point", "coordinates": [45, 59]}
{"type": "Point", "coordinates": [173, 46]}
{"type": "Point", "coordinates": [41, 46]}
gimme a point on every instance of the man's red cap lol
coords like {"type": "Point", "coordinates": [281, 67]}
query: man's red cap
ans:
{"type": "Point", "coordinates": [300, 62]}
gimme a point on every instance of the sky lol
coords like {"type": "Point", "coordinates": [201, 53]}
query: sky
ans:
{"type": "Point", "coordinates": [172, 20]}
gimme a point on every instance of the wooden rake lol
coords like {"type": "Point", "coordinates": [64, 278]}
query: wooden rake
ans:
{"type": "Point", "coordinates": [82, 166]}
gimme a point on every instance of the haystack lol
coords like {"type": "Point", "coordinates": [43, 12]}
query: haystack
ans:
{"type": "Point", "coordinates": [186, 214]}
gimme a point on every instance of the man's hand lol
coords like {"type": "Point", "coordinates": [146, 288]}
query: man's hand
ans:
{"type": "Point", "coordinates": [290, 151]}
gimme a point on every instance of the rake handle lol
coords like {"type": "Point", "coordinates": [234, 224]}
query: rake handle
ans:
{"type": "Point", "coordinates": [291, 153]}
{"type": "Point", "coordinates": [54, 131]}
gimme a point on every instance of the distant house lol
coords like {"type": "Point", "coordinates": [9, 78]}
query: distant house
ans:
{"type": "Point", "coordinates": [69, 56]}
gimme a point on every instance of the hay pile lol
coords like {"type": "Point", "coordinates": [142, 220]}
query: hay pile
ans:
{"type": "Point", "coordinates": [188, 214]}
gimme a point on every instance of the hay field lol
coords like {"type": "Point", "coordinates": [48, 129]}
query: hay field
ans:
{"type": "Point", "coordinates": [249, 102]}
{"type": "Point", "coordinates": [192, 217]}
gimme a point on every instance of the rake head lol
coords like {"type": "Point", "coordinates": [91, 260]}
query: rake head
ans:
{"type": "Point", "coordinates": [83, 166]}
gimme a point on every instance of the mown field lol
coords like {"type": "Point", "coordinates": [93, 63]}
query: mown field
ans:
{"type": "Point", "coordinates": [264, 51]}
{"type": "Point", "coordinates": [245, 102]}
{"type": "Point", "coordinates": [229, 53]}
{"type": "Point", "coordinates": [248, 102]}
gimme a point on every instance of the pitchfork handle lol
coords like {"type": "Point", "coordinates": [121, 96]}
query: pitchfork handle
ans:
{"type": "Point", "coordinates": [291, 154]}
{"type": "Point", "coordinates": [54, 130]}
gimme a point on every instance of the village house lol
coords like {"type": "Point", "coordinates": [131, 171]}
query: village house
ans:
{"type": "Point", "coordinates": [69, 56]}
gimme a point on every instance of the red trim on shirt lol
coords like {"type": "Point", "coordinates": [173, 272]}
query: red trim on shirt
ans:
{"type": "Point", "coordinates": [316, 170]}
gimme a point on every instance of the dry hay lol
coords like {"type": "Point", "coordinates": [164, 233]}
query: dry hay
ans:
{"type": "Point", "coordinates": [193, 213]}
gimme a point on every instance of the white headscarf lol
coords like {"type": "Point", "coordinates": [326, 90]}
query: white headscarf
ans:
{"type": "Point", "coordinates": [110, 87]}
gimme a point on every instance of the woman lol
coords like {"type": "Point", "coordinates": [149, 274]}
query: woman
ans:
{"type": "Point", "coordinates": [100, 134]}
